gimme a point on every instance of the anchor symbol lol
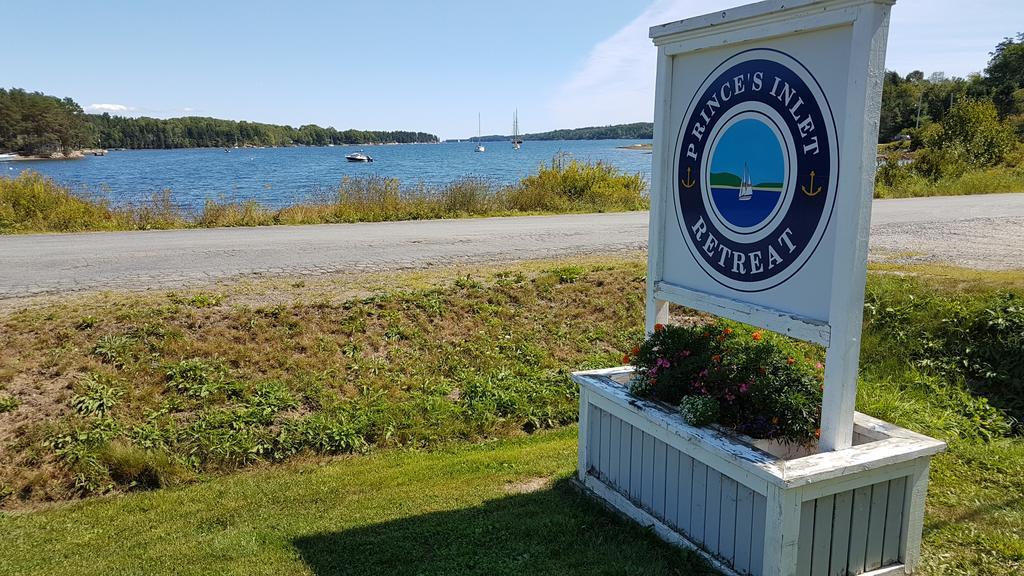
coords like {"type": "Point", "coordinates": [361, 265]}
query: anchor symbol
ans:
{"type": "Point", "coordinates": [813, 192]}
{"type": "Point", "coordinates": [689, 182]}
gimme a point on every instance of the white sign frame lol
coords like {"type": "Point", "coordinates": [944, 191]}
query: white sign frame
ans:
{"type": "Point", "coordinates": [841, 332]}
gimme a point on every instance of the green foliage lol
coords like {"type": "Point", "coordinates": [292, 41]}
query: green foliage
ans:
{"type": "Point", "coordinates": [8, 403]}
{"type": "Point", "coordinates": [764, 385]}
{"type": "Point", "coordinates": [98, 396]}
{"type": "Point", "coordinates": [33, 123]}
{"type": "Point", "coordinates": [970, 136]}
{"type": "Point", "coordinates": [974, 345]}
{"type": "Point", "coordinates": [115, 349]}
{"type": "Point", "coordinates": [699, 410]}
{"type": "Point", "coordinates": [1005, 74]}
{"type": "Point", "coordinates": [196, 377]}
{"type": "Point", "coordinates": [132, 467]}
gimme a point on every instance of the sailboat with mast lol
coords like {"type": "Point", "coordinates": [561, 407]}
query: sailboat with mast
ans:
{"type": "Point", "coordinates": [517, 141]}
{"type": "Point", "coordinates": [479, 145]}
{"type": "Point", "coordinates": [746, 188]}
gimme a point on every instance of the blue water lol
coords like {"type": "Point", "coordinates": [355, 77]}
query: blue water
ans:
{"type": "Point", "coordinates": [745, 213]}
{"type": "Point", "coordinates": [280, 176]}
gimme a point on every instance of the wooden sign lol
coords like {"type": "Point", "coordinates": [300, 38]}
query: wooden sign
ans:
{"type": "Point", "coordinates": [766, 125]}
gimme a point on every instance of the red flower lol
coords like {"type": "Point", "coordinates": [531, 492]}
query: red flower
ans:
{"type": "Point", "coordinates": [817, 433]}
{"type": "Point", "coordinates": [756, 335]}
{"type": "Point", "coordinates": [635, 350]}
{"type": "Point", "coordinates": [659, 327]}
{"type": "Point", "coordinates": [727, 331]}
{"type": "Point", "coordinates": [717, 358]}
{"type": "Point", "coordinates": [790, 360]}
{"type": "Point", "coordinates": [625, 359]}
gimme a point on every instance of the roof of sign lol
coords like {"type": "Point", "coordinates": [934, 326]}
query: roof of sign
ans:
{"type": "Point", "coordinates": [751, 14]}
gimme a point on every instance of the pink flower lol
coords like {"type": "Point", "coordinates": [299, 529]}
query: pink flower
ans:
{"type": "Point", "coordinates": [662, 363]}
{"type": "Point", "coordinates": [744, 387]}
{"type": "Point", "coordinates": [686, 353]}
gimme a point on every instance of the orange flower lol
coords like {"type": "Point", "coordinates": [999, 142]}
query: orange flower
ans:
{"type": "Point", "coordinates": [790, 360]}
{"type": "Point", "coordinates": [756, 335]}
{"type": "Point", "coordinates": [659, 327]}
{"type": "Point", "coordinates": [727, 331]}
{"type": "Point", "coordinates": [717, 358]}
{"type": "Point", "coordinates": [625, 359]}
{"type": "Point", "coordinates": [817, 433]}
{"type": "Point", "coordinates": [635, 350]}
{"type": "Point", "coordinates": [775, 420]}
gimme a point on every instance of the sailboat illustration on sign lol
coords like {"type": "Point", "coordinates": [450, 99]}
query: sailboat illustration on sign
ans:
{"type": "Point", "coordinates": [746, 189]}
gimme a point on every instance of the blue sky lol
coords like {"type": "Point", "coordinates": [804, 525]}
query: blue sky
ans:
{"type": "Point", "coordinates": [733, 151]}
{"type": "Point", "coordinates": [413, 65]}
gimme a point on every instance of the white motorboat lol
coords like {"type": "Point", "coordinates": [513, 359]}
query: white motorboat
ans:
{"type": "Point", "coordinates": [358, 157]}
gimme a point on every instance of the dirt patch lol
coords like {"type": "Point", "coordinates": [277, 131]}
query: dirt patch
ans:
{"type": "Point", "coordinates": [529, 485]}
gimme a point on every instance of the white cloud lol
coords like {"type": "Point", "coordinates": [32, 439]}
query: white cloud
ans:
{"type": "Point", "coordinates": [107, 108]}
{"type": "Point", "coordinates": [616, 83]}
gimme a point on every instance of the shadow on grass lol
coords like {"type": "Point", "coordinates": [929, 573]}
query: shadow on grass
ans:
{"type": "Point", "coordinates": [555, 530]}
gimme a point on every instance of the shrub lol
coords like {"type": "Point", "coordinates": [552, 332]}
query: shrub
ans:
{"type": "Point", "coordinates": [115, 350]}
{"type": "Point", "coordinates": [133, 467]}
{"type": "Point", "coordinates": [97, 398]}
{"type": "Point", "coordinates": [8, 404]}
{"type": "Point", "coordinates": [195, 377]}
{"type": "Point", "coordinates": [763, 385]}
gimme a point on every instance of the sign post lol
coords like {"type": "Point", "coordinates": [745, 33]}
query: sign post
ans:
{"type": "Point", "coordinates": [766, 123]}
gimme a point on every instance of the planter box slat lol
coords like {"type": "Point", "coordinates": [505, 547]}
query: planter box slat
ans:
{"type": "Point", "coordinates": [846, 512]}
{"type": "Point", "coordinates": [841, 534]}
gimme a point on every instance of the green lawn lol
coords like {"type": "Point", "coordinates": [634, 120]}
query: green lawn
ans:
{"type": "Point", "coordinates": [502, 507]}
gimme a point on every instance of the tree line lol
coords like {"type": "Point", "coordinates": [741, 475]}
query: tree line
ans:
{"type": "Point", "coordinates": [34, 123]}
{"type": "Point", "coordinates": [635, 131]}
{"type": "Point", "coordinates": [200, 132]}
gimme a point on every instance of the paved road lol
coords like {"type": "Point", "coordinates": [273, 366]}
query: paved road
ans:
{"type": "Point", "coordinates": [980, 231]}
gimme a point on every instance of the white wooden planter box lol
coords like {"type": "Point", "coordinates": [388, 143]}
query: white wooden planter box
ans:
{"type": "Point", "coordinates": [853, 511]}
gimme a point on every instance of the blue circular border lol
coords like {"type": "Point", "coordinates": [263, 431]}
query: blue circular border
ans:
{"type": "Point", "coordinates": [818, 118]}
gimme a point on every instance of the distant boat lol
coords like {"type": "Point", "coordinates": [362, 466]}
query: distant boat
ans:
{"type": "Point", "coordinates": [479, 145]}
{"type": "Point", "coordinates": [4, 157]}
{"type": "Point", "coordinates": [516, 140]}
{"type": "Point", "coordinates": [358, 157]}
{"type": "Point", "coordinates": [746, 189]}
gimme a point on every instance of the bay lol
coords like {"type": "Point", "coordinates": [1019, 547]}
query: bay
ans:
{"type": "Point", "coordinates": [277, 177]}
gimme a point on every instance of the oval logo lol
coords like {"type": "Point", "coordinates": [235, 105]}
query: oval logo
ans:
{"type": "Point", "coordinates": [757, 166]}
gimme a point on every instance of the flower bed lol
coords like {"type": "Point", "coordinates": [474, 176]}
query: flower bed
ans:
{"type": "Point", "coordinates": [756, 383]}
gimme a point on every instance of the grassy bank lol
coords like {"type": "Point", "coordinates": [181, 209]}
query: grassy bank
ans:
{"type": "Point", "coordinates": [123, 393]}
{"type": "Point", "coordinates": [994, 180]}
{"type": "Point", "coordinates": [32, 203]}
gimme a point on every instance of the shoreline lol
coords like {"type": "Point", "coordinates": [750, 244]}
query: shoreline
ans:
{"type": "Point", "coordinates": [73, 155]}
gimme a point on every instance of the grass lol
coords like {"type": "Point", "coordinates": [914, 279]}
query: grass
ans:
{"type": "Point", "coordinates": [497, 508]}
{"type": "Point", "coordinates": [999, 179]}
{"type": "Point", "coordinates": [32, 203]}
{"type": "Point", "coordinates": [189, 386]}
